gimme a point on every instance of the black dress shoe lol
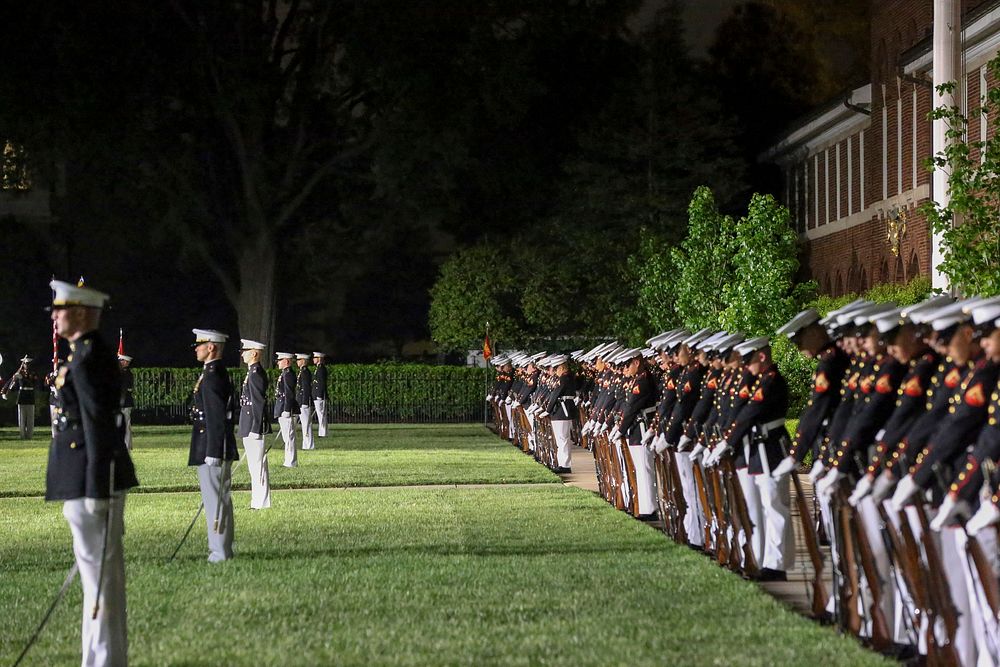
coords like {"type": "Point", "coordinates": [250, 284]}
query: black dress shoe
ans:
{"type": "Point", "coordinates": [767, 574]}
{"type": "Point", "coordinates": [562, 471]}
{"type": "Point", "coordinates": [652, 516]}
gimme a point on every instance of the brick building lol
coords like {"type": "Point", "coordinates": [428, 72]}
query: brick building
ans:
{"type": "Point", "coordinates": [854, 172]}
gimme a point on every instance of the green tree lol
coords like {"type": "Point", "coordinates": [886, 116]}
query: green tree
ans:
{"type": "Point", "coordinates": [651, 269]}
{"type": "Point", "coordinates": [704, 263]}
{"type": "Point", "coordinates": [970, 224]}
{"type": "Point", "coordinates": [764, 294]}
{"type": "Point", "coordinates": [476, 286]}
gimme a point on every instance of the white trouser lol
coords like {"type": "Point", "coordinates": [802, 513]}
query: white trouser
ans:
{"type": "Point", "coordinates": [645, 477]}
{"type": "Point", "coordinates": [953, 560]}
{"type": "Point", "coordinates": [216, 486]}
{"type": "Point", "coordinates": [755, 511]}
{"type": "Point", "coordinates": [985, 627]}
{"type": "Point", "coordinates": [775, 500]}
{"type": "Point", "coordinates": [127, 424]}
{"type": "Point", "coordinates": [260, 484]}
{"type": "Point", "coordinates": [320, 405]}
{"type": "Point", "coordinates": [305, 421]}
{"type": "Point", "coordinates": [562, 430]}
{"type": "Point", "coordinates": [288, 435]}
{"type": "Point", "coordinates": [510, 419]}
{"type": "Point", "coordinates": [531, 436]}
{"type": "Point", "coordinates": [26, 420]}
{"type": "Point", "coordinates": [694, 519]}
{"type": "Point", "coordinates": [105, 639]}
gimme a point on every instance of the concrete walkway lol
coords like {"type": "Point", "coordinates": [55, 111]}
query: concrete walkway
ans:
{"type": "Point", "coordinates": [796, 592]}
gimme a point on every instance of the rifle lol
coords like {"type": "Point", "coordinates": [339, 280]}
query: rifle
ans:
{"type": "Point", "coordinates": [680, 503]}
{"type": "Point", "coordinates": [849, 585]}
{"type": "Point", "coordinates": [703, 499]}
{"type": "Point", "coordinates": [820, 597]}
{"type": "Point", "coordinates": [906, 558]}
{"type": "Point", "coordinates": [739, 504]}
{"type": "Point", "coordinates": [881, 637]}
{"type": "Point", "coordinates": [629, 471]}
{"type": "Point", "coordinates": [984, 571]}
{"type": "Point", "coordinates": [721, 525]}
{"type": "Point", "coordinates": [939, 595]}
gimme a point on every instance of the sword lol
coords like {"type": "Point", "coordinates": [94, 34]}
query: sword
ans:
{"type": "Point", "coordinates": [70, 576]}
{"type": "Point", "coordinates": [104, 549]}
{"type": "Point", "coordinates": [201, 506]}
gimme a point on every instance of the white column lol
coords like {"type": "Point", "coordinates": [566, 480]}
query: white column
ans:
{"type": "Point", "coordinates": [826, 185]}
{"type": "Point", "coordinates": [913, 136]}
{"type": "Point", "coordinates": [947, 61]}
{"type": "Point", "coordinates": [838, 178]}
{"type": "Point", "coordinates": [983, 89]}
{"type": "Point", "coordinates": [850, 177]}
{"type": "Point", "coordinates": [861, 168]}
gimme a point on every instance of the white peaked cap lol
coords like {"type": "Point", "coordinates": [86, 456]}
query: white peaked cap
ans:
{"type": "Point", "coordinates": [284, 355]}
{"type": "Point", "coordinates": [888, 320]}
{"type": "Point", "coordinates": [869, 315]}
{"type": "Point", "coordinates": [319, 354]}
{"type": "Point", "coordinates": [986, 311]}
{"type": "Point", "coordinates": [209, 336]}
{"type": "Point", "coordinates": [124, 357]}
{"type": "Point", "coordinates": [831, 317]}
{"type": "Point", "coordinates": [945, 317]}
{"type": "Point", "coordinates": [303, 355]}
{"type": "Point", "coordinates": [67, 294]}
{"type": "Point", "coordinates": [798, 323]}
{"type": "Point", "coordinates": [917, 312]}
{"type": "Point", "coordinates": [752, 345]}
{"type": "Point", "coordinates": [247, 344]}
{"type": "Point", "coordinates": [697, 337]}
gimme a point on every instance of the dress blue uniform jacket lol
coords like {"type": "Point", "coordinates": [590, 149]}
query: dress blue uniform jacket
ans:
{"type": "Point", "coordinates": [284, 393]}
{"type": "Point", "coordinates": [212, 413]}
{"type": "Point", "coordinates": [319, 382]}
{"type": "Point", "coordinates": [88, 437]}
{"type": "Point", "coordinates": [303, 384]}
{"type": "Point", "coordinates": [253, 403]}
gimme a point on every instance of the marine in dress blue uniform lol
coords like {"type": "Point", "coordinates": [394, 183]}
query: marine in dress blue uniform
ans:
{"type": "Point", "coordinates": [304, 397]}
{"type": "Point", "coordinates": [319, 392]}
{"type": "Point", "coordinates": [213, 443]}
{"type": "Point", "coordinates": [285, 406]}
{"type": "Point", "coordinates": [255, 423]}
{"type": "Point", "coordinates": [90, 470]}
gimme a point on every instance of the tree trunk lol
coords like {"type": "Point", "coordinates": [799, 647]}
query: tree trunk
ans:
{"type": "Point", "coordinates": [255, 301]}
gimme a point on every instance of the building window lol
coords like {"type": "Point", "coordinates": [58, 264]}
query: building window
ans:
{"type": "Point", "coordinates": [14, 174]}
{"type": "Point", "coordinates": [914, 268]}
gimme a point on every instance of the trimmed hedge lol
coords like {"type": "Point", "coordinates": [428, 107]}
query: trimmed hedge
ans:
{"type": "Point", "coordinates": [358, 393]}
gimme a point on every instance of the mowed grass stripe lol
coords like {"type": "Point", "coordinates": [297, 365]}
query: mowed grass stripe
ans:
{"type": "Point", "coordinates": [352, 455]}
{"type": "Point", "coordinates": [514, 576]}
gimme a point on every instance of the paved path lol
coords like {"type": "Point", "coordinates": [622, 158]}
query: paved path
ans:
{"type": "Point", "coordinates": [796, 592]}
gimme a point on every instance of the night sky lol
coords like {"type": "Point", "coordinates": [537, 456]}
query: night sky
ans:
{"type": "Point", "coordinates": [456, 134]}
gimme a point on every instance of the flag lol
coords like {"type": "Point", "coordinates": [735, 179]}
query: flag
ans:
{"type": "Point", "coordinates": [121, 342]}
{"type": "Point", "coordinates": [487, 348]}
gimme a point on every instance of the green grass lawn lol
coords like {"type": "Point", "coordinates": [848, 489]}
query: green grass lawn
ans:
{"type": "Point", "coordinates": [352, 455]}
{"type": "Point", "coordinates": [514, 575]}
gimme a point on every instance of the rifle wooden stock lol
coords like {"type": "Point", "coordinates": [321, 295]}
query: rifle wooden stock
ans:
{"type": "Point", "coordinates": [987, 578]}
{"type": "Point", "coordinates": [721, 522]}
{"type": "Point", "coordinates": [706, 504]}
{"type": "Point", "coordinates": [679, 500]}
{"type": "Point", "coordinates": [629, 465]}
{"type": "Point", "coordinates": [881, 636]}
{"type": "Point", "coordinates": [820, 596]}
{"type": "Point", "coordinates": [738, 509]}
{"type": "Point", "coordinates": [939, 594]}
{"type": "Point", "coordinates": [662, 492]}
{"type": "Point", "coordinates": [905, 553]}
{"type": "Point", "coordinates": [849, 585]}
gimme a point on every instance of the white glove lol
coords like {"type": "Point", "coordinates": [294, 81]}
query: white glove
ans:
{"type": "Point", "coordinates": [987, 515]}
{"type": "Point", "coordinates": [253, 436]}
{"type": "Point", "coordinates": [950, 508]}
{"type": "Point", "coordinates": [883, 485]}
{"type": "Point", "coordinates": [816, 472]}
{"type": "Point", "coordinates": [863, 488]}
{"type": "Point", "coordinates": [212, 461]}
{"type": "Point", "coordinates": [880, 435]}
{"type": "Point", "coordinates": [786, 466]}
{"type": "Point", "coordinates": [683, 442]}
{"type": "Point", "coordinates": [543, 414]}
{"type": "Point", "coordinates": [648, 436]}
{"type": "Point", "coordinates": [709, 459]}
{"type": "Point", "coordinates": [826, 486]}
{"type": "Point", "coordinates": [660, 444]}
{"type": "Point", "coordinates": [615, 434]}
{"type": "Point", "coordinates": [576, 400]}
{"type": "Point", "coordinates": [904, 491]}
{"type": "Point", "coordinates": [286, 414]}
{"type": "Point", "coordinates": [508, 401]}
{"type": "Point", "coordinates": [585, 429]}
{"type": "Point", "coordinates": [697, 451]}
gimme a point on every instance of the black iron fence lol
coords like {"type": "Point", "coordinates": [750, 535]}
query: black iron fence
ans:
{"type": "Point", "coordinates": [358, 393]}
